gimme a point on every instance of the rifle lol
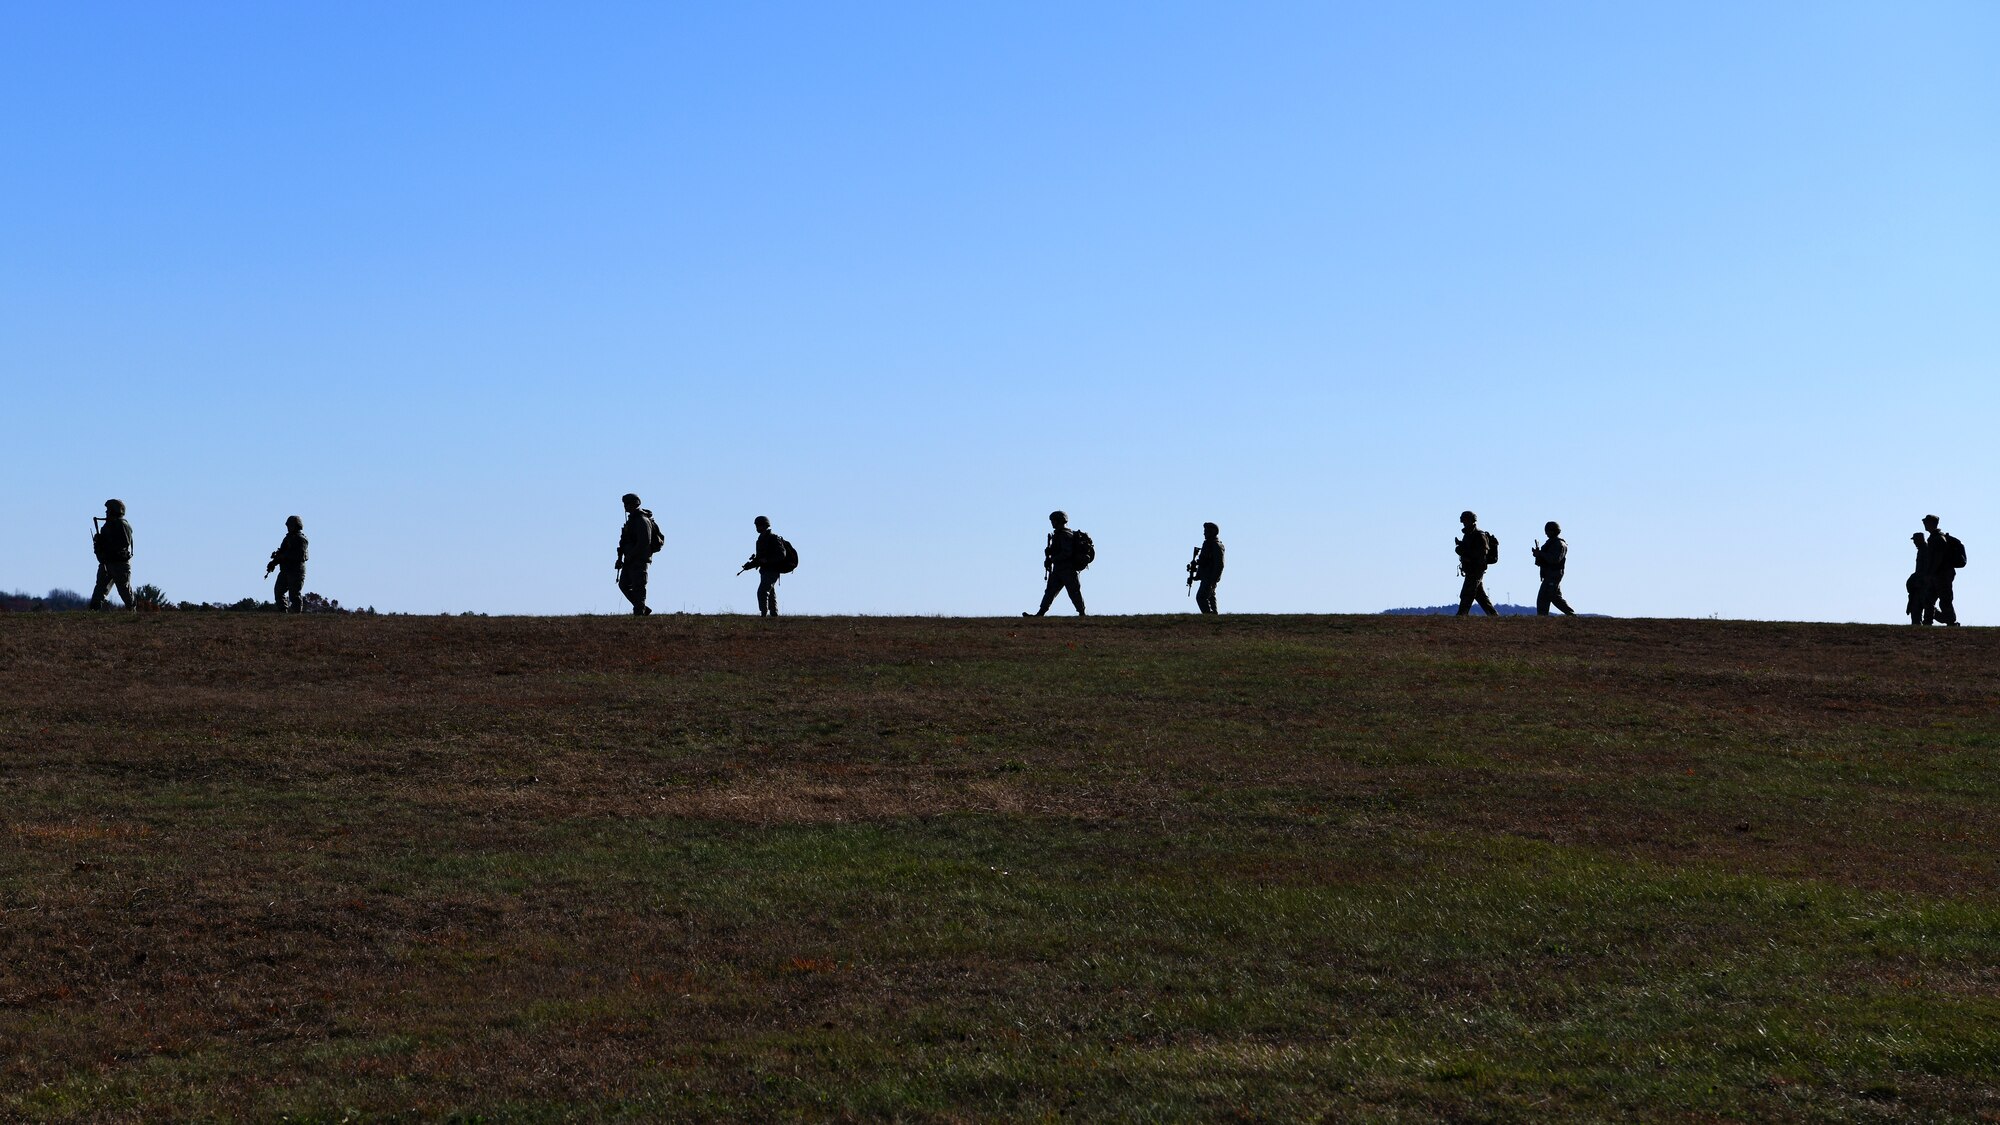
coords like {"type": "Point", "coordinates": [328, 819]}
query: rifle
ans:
{"type": "Point", "coordinates": [1193, 562]}
{"type": "Point", "coordinates": [751, 562]}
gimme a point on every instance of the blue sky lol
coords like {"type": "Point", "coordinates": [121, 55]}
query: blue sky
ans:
{"type": "Point", "coordinates": [1712, 284]}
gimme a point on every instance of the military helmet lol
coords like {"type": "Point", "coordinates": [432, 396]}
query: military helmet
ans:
{"type": "Point", "coordinates": [115, 507]}
{"type": "Point", "coordinates": [1468, 517]}
{"type": "Point", "coordinates": [1211, 529]}
{"type": "Point", "coordinates": [631, 499]}
{"type": "Point", "coordinates": [1930, 521]}
{"type": "Point", "coordinates": [295, 523]}
{"type": "Point", "coordinates": [763, 523]}
{"type": "Point", "coordinates": [1058, 516]}
{"type": "Point", "coordinates": [1553, 528]}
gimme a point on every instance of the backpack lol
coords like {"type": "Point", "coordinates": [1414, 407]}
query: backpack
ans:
{"type": "Point", "coordinates": [1082, 552]}
{"type": "Point", "coordinates": [1954, 552]}
{"type": "Point", "coordinates": [655, 538]}
{"type": "Point", "coordinates": [1492, 547]}
{"type": "Point", "coordinates": [788, 556]}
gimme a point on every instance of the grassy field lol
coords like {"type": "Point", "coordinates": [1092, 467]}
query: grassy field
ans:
{"type": "Point", "coordinates": [1265, 868]}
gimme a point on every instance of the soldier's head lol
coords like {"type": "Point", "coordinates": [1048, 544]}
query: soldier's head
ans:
{"type": "Point", "coordinates": [295, 523]}
{"type": "Point", "coordinates": [1552, 528]}
{"type": "Point", "coordinates": [1468, 518]}
{"type": "Point", "coordinates": [1930, 522]}
{"type": "Point", "coordinates": [631, 501]}
{"type": "Point", "coordinates": [114, 507]}
{"type": "Point", "coordinates": [763, 523]}
{"type": "Point", "coordinates": [1210, 530]}
{"type": "Point", "coordinates": [1917, 537]}
{"type": "Point", "coordinates": [1058, 519]}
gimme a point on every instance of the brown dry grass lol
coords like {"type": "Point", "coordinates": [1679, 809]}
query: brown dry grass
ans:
{"type": "Point", "coordinates": [555, 868]}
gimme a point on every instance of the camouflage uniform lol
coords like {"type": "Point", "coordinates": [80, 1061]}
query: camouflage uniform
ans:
{"type": "Point", "coordinates": [1938, 606]}
{"type": "Point", "coordinates": [1472, 564]}
{"type": "Point", "coordinates": [113, 547]}
{"type": "Point", "coordinates": [770, 559]}
{"type": "Point", "coordinates": [290, 556]}
{"type": "Point", "coordinates": [1059, 557]}
{"type": "Point", "coordinates": [1208, 572]}
{"type": "Point", "coordinates": [1919, 584]}
{"type": "Point", "coordinates": [1550, 558]}
{"type": "Point", "coordinates": [635, 547]}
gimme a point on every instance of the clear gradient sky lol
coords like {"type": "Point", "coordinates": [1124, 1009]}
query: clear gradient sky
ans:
{"type": "Point", "coordinates": [1714, 284]}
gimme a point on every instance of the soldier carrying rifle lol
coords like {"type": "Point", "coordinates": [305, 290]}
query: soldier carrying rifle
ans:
{"type": "Point", "coordinates": [1206, 567]}
{"type": "Point", "coordinates": [289, 560]}
{"type": "Point", "coordinates": [111, 542]}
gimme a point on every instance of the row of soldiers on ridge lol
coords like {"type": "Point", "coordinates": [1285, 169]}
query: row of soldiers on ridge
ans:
{"type": "Point", "coordinates": [1065, 555]}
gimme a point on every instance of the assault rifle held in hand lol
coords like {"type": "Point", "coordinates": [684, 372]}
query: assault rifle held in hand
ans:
{"type": "Point", "coordinates": [1194, 563]}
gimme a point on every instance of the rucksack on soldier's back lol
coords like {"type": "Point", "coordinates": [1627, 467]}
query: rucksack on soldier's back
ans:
{"type": "Point", "coordinates": [1954, 551]}
{"type": "Point", "coordinates": [1082, 552]}
{"type": "Point", "coordinates": [788, 556]}
{"type": "Point", "coordinates": [655, 538]}
{"type": "Point", "coordinates": [1492, 547]}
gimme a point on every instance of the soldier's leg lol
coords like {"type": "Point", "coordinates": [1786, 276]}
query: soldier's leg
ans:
{"type": "Point", "coordinates": [1485, 603]}
{"type": "Point", "coordinates": [1467, 591]}
{"type": "Point", "coordinates": [1204, 596]}
{"type": "Point", "coordinates": [1946, 611]}
{"type": "Point", "coordinates": [767, 595]}
{"type": "Point", "coordinates": [102, 587]}
{"type": "Point", "coordinates": [1055, 584]}
{"type": "Point", "coordinates": [1551, 594]}
{"type": "Point", "coordinates": [632, 582]}
{"type": "Point", "coordinates": [1075, 588]}
{"type": "Point", "coordinates": [123, 577]}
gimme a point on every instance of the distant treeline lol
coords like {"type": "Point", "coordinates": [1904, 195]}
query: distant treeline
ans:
{"type": "Point", "coordinates": [151, 598]}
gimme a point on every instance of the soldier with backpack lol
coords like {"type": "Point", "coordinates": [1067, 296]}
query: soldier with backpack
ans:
{"type": "Point", "coordinates": [1063, 558]}
{"type": "Point", "coordinates": [1551, 558]}
{"type": "Point", "coordinates": [1477, 550]}
{"type": "Point", "coordinates": [111, 542]}
{"type": "Point", "coordinates": [1947, 559]}
{"type": "Point", "coordinates": [772, 557]}
{"type": "Point", "coordinates": [638, 541]}
{"type": "Point", "coordinates": [1206, 567]}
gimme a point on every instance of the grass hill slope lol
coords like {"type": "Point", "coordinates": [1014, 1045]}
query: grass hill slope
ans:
{"type": "Point", "coordinates": [1165, 868]}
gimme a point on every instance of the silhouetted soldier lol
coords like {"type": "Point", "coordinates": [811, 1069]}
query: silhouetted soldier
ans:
{"type": "Point", "coordinates": [1947, 555]}
{"type": "Point", "coordinates": [638, 542]}
{"type": "Point", "coordinates": [1919, 582]}
{"type": "Point", "coordinates": [1550, 558]}
{"type": "Point", "coordinates": [1206, 567]}
{"type": "Point", "coordinates": [768, 560]}
{"type": "Point", "coordinates": [289, 560]}
{"type": "Point", "coordinates": [1477, 550]}
{"type": "Point", "coordinates": [112, 544]}
{"type": "Point", "coordinates": [1067, 553]}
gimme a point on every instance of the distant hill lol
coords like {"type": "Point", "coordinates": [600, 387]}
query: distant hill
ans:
{"type": "Point", "coordinates": [1506, 610]}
